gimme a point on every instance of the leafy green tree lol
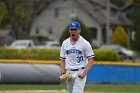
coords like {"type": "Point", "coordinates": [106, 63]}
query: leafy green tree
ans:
{"type": "Point", "coordinates": [84, 32]}
{"type": "Point", "coordinates": [2, 9]}
{"type": "Point", "coordinates": [5, 21]}
{"type": "Point", "coordinates": [120, 37]}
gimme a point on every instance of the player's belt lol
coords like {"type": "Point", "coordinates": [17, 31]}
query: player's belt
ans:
{"type": "Point", "coordinates": [76, 69]}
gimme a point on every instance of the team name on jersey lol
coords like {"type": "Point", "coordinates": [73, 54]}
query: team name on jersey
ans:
{"type": "Point", "coordinates": [73, 51]}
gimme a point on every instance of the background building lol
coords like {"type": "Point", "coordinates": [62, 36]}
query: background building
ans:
{"type": "Point", "coordinates": [52, 21]}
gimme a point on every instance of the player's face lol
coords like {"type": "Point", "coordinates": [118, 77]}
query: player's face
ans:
{"type": "Point", "coordinates": [74, 33]}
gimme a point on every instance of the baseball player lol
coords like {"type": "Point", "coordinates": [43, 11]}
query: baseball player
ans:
{"type": "Point", "coordinates": [76, 58]}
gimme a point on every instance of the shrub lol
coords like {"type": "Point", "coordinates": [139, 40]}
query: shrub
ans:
{"type": "Point", "coordinates": [120, 37]}
{"type": "Point", "coordinates": [51, 54]}
{"type": "Point", "coordinates": [39, 54]}
{"type": "Point", "coordinates": [44, 54]}
{"type": "Point", "coordinates": [6, 53]}
{"type": "Point", "coordinates": [40, 38]}
{"type": "Point", "coordinates": [106, 55]}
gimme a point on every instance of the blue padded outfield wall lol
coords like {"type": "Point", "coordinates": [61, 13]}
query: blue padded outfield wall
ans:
{"type": "Point", "coordinates": [114, 74]}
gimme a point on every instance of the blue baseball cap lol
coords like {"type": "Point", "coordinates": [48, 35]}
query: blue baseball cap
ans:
{"type": "Point", "coordinates": [74, 25]}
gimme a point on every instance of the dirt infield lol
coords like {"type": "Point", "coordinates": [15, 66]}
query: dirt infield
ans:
{"type": "Point", "coordinates": [48, 91]}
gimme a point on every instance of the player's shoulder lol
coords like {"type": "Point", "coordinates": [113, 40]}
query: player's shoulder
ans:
{"type": "Point", "coordinates": [66, 41]}
{"type": "Point", "coordinates": [84, 40]}
{"type": "Point", "coordinates": [85, 43]}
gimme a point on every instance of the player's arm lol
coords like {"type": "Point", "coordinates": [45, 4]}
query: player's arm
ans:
{"type": "Point", "coordinates": [88, 67]}
{"type": "Point", "coordinates": [62, 59]}
{"type": "Point", "coordinates": [62, 66]}
{"type": "Point", "coordinates": [90, 55]}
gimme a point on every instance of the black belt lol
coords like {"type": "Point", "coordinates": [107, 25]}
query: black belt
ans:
{"type": "Point", "coordinates": [76, 69]}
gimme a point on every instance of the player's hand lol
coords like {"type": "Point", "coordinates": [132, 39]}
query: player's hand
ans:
{"type": "Point", "coordinates": [81, 76]}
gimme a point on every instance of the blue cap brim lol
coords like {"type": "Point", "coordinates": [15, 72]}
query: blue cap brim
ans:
{"type": "Point", "coordinates": [73, 28]}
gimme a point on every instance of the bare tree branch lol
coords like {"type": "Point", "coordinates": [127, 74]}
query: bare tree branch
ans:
{"type": "Point", "coordinates": [11, 7]}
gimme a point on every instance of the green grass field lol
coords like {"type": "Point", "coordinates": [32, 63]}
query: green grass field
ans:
{"type": "Point", "coordinates": [89, 87]}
